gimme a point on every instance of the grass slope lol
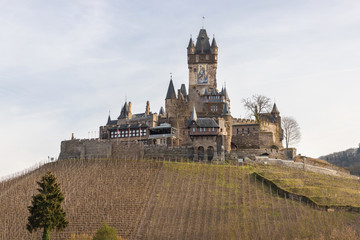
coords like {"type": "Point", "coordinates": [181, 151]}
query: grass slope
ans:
{"type": "Point", "coordinates": [167, 200]}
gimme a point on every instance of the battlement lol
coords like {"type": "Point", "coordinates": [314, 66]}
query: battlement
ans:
{"type": "Point", "coordinates": [243, 121]}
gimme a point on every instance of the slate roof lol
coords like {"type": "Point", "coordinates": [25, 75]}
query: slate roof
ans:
{"type": "Point", "coordinates": [183, 90]}
{"type": "Point", "coordinates": [204, 122]}
{"type": "Point", "coordinates": [275, 110]}
{"type": "Point", "coordinates": [213, 43]}
{"type": "Point", "coordinates": [191, 43]}
{"type": "Point", "coordinates": [268, 117]}
{"type": "Point", "coordinates": [171, 91]}
{"type": "Point", "coordinates": [226, 110]}
{"type": "Point", "coordinates": [124, 111]}
{"type": "Point", "coordinates": [161, 112]}
{"type": "Point", "coordinates": [111, 122]}
{"type": "Point", "coordinates": [202, 42]}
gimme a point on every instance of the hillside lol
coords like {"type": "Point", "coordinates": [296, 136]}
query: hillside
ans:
{"type": "Point", "coordinates": [158, 200]}
{"type": "Point", "coordinates": [349, 159]}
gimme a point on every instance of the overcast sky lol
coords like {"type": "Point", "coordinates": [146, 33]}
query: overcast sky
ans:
{"type": "Point", "coordinates": [65, 64]}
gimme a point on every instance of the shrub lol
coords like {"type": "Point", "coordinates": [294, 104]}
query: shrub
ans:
{"type": "Point", "coordinates": [105, 233]}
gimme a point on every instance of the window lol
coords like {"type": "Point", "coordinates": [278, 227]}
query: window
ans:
{"type": "Point", "coordinates": [207, 57]}
{"type": "Point", "coordinates": [193, 129]}
{"type": "Point", "coordinates": [213, 129]}
{"type": "Point", "coordinates": [197, 58]}
{"type": "Point", "coordinates": [200, 129]}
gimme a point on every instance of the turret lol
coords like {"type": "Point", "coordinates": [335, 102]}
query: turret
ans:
{"type": "Point", "coordinates": [170, 100]}
{"type": "Point", "coordinates": [171, 91]}
{"type": "Point", "coordinates": [124, 113]}
{"type": "Point", "coordinates": [161, 112]}
{"type": "Point", "coordinates": [147, 110]}
{"type": "Point", "coordinates": [183, 90]}
{"type": "Point", "coordinates": [129, 112]}
{"type": "Point", "coordinates": [214, 47]}
{"type": "Point", "coordinates": [193, 115]}
{"type": "Point", "coordinates": [275, 111]}
{"type": "Point", "coordinates": [226, 110]}
{"type": "Point", "coordinates": [191, 47]}
{"type": "Point", "coordinates": [228, 126]}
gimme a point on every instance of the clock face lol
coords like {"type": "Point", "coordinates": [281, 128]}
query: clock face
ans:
{"type": "Point", "coordinates": [202, 74]}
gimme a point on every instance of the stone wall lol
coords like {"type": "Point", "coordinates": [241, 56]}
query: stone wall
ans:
{"type": "Point", "coordinates": [127, 150]}
{"type": "Point", "coordinates": [85, 148]}
{"type": "Point", "coordinates": [266, 139]}
{"type": "Point", "coordinates": [252, 153]}
{"type": "Point", "coordinates": [94, 148]}
{"type": "Point", "coordinates": [173, 153]}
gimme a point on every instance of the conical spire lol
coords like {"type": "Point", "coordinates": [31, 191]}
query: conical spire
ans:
{"type": "Point", "coordinates": [193, 115]}
{"type": "Point", "coordinates": [226, 110]}
{"type": "Point", "coordinates": [191, 43]}
{"type": "Point", "coordinates": [202, 42]}
{"type": "Point", "coordinates": [224, 92]}
{"type": "Point", "coordinates": [124, 111]}
{"type": "Point", "coordinates": [183, 90]}
{"type": "Point", "coordinates": [171, 91]}
{"type": "Point", "coordinates": [161, 111]}
{"type": "Point", "coordinates": [109, 120]}
{"type": "Point", "coordinates": [213, 43]}
{"type": "Point", "coordinates": [275, 110]}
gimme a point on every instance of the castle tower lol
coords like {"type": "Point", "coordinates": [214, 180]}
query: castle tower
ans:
{"type": "Point", "coordinates": [125, 112]}
{"type": "Point", "coordinates": [279, 135]}
{"type": "Point", "coordinates": [147, 109]}
{"type": "Point", "coordinates": [170, 100]}
{"type": "Point", "coordinates": [228, 126]}
{"type": "Point", "coordinates": [202, 64]}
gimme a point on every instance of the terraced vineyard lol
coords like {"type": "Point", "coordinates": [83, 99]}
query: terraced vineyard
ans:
{"type": "Point", "coordinates": [170, 200]}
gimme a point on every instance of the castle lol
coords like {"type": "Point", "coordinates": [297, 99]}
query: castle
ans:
{"type": "Point", "coordinates": [197, 120]}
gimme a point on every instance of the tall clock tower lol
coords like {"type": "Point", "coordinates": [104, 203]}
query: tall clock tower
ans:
{"type": "Point", "coordinates": [202, 64]}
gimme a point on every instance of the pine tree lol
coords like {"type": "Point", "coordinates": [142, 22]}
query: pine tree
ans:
{"type": "Point", "coordinates": [45, 210]}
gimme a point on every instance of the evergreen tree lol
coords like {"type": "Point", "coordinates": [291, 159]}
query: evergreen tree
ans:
{"type": "Point", "coordinates": [105, 233]}
{"type": "Point", "coordinates": [45, 210]}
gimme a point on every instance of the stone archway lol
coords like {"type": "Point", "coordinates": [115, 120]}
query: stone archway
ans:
{"type": "Point", "coordinates": [233, 146]}
{"type": "Point", "coordinates": [210, 153]}
{"type": "Point", "coordinates": [201, 153]}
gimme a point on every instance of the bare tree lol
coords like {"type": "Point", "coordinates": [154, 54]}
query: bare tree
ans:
{"type": "Point", "coordinates": [291, 128]}
{"type": "Point", "coordinates": [257, 104]}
